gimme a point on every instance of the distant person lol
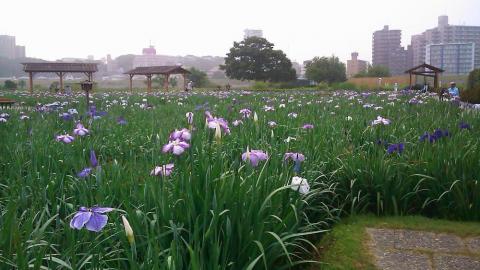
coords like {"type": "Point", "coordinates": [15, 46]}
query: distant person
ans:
{"type": "Point", "coordinates": [425, 88]}
{"type": "Point", "coordinates": [443, 92]}
{"type": "Point", "coordinates": [68, 90]}
{"type": "Point", "coordinates": [453, 90]}
{"type": "Point", "coordinates": [395, 87]}
{"type": "Point", "coordinates": [189, 86]}
{"type": "Point", "coordinates": [227, 87]}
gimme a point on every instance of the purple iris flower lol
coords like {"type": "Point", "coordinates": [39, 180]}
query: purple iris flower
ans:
{"type": "Point", "coordinates": [464, 125]}
{"type": "Point", "coordinates": [93, 159]}
{"type": "Point", "coordinates": [88, 170]}
{"type": "Point", "coordinates": [94, 113]}
{"type": "Point", "coordinates": [424, 136]}
{"type": "Point", "coordinates": [164, 170]}
{"type": "Point", "coordinates": [66, 116]}
{"type": "Point", "coordinates": [395, 148]}
{"type": "Point", "coordinates": [182, 134]}
{"type": "Point", "coordinates": [90, 218]}
{"type": "Point", "coordinates": [246, 113]}
{"type": "Point", "coordinates": [64, 138]}
{"type": "Point", "coordinates": [214, 122]}
{"type": "Point", "coordinates": [254, 157]}
{"type": "Point", "coordinates": [177, 147]}
{"type": "Point", "coordinates": [208, 115]}
{"type": "Point", "coordinates": [381, 121]}
{"type": "Point", "coordinates": [121, 120]}
{"type": "Point", "coordinates": [189, 116]}
{"type": "Point", "coordinates": [295, 157]}
{"type": "Point", "coordinates": [436, 135]}
{"type": "Point", "coordinates": [85, 172]}
{"type": "Point", "coordinates": [80, 130]}
{"type": "Point", "coordinates": [307, 126]}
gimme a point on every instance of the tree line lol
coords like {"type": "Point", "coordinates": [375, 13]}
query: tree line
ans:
{"type": "Point", "coordinates": [255, 59]}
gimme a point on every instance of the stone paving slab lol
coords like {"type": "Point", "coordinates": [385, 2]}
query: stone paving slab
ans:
{"type": "Point", "coordinates": [406, 239]}
{"type": "Point", "coordinates": [473, 244]}
{"type": "Point", "coordinates": [450, 262]}
{"type": "Point", "coordinates": [411, 250]}
{"type": "Point", "coordinates": [401, 260]}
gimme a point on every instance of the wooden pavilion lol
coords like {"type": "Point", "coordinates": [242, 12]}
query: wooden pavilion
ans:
{"type": "Point", "coordinates": [60, 68]}
{"type": "Point", "coordinates": [426, 70]}
{"type": "Point", "coordinates": [166, 71]}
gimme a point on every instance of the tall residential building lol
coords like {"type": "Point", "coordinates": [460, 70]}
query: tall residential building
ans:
{"type": "Point", "coordinates": [20, 51]}
{"type": "Point", "coordinates": [387, 50]}
{"type": "Point", "coordinates": [7, 46]}
{"type": "Point", "coordinates": [355, 66]}
{"type": "Point", "coordinates": [9, 49]}
{"type": "Point", "coordinates": [454, 58]}
{"type": "Point", "coordinates": [252, 33]}
{"type": "Point", "coordinates": [445, 33]}
{"type": "Point", "coordinates": [148, 58]}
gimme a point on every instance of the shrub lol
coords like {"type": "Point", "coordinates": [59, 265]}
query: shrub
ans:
{"type": "Point", "coordinates": [322, 86]}
{"type": "Point", "coordinates": [472, 93]}
{"type": "Point", "coordinates": [258, 85]}
{"type": "Point", "coordinates": [10, 85]}
{"type": "Point", "coordinates": [344, 86]}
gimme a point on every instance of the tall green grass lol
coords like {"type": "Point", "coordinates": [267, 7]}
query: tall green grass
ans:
{"type": "Point", "coordinates": [215, 211]}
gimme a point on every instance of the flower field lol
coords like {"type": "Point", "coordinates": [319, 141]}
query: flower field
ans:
{"type": "Point", "coordinates": [216, 180]}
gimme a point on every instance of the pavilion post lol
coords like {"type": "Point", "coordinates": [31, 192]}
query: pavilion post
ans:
{"type": "Point", "coordinates": [165, 82]}
{"type": "Point", "coordinates": [149, 83]}
{"type": "Point", "coordinates": [435, 81]}
{"type": "Point", "coordinates": [30, 77]}
{"type": "Point", "coordinates": [60, 74]}
{"type": "Point", "coordinates": [410, 82]}
{"type": "Point", "coordinates": [184, 81]}
{"type": "Point", "coordinates": [131, 83]}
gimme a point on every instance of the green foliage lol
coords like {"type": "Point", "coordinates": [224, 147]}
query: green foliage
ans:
{"type": "Point", "coordinates": [374, 72]}
{"type": "Point", "coordinates": [472, 93]}
{"type": "Point", "coordinates": [297, 84]}
{"type": "Point", "coordinates": [215, 211]}
{"type": "Point", "coordinates": [255, 59]}
{"type": "Point", "coordinates": [159, 81]}
{"type": "Point", "coordinates": [326, 69]}
{"type": "Point", "coordinates": [54, 86]}
{"type": "Point", "coordinates": [344, 86]}
{"type": "Point", "coordinates": [10, 85]}
{"type": "Point", "coordinates": [198, 77]}
{"type": "Point", "coordinates": [22, 84]}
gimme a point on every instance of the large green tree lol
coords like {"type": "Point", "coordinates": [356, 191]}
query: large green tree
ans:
{"type": "Point", "coordinates": [198, 77]}
{"type": "Point", "coordinates": [326, 69]}
{"type": "Point", "coordinates": [255, 59]}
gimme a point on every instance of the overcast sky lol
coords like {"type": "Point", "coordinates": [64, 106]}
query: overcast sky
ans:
{"type": "Point", "coordinates": [52, 29]}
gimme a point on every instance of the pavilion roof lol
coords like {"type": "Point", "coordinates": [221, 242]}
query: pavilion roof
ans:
{"type": "Point", "coordinates": [423, 69]}
{"type": "Point", "coordinates": [60, 67]}
{"type": "Point", "coordinates": [157, 70]}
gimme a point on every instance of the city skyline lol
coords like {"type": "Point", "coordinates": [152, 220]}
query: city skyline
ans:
{"type": "Point", "coordinates": [302, 31]}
